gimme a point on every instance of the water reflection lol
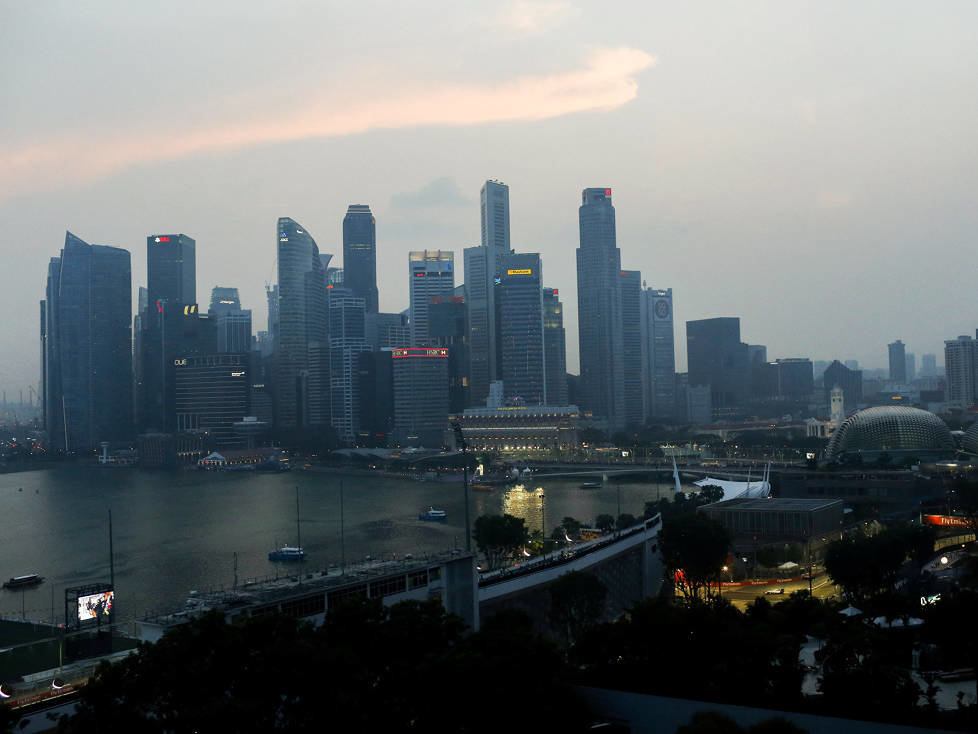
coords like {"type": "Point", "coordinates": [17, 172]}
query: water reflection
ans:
{"type": "Point", "coordinates": [519, 500]}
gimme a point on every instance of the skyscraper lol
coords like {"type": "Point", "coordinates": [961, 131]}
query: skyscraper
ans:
{"type": "Point", "coordinates": [631, 329]}
{"type": "Point", "coordinates": [302, 359]}
{"type": "Point", "coordinates": [420, 396]}
{"type": "Point", "coordinates": [521, 328]}
{"type": "Point", "coordinates": [928, 365]}
{"type": "Point", "coordinates": [961, 370]}
{"type": "Point", "coordinates": [838, 375]}
{"type": "Point", "coordinates": [599, 310]}
{"type": "Point", "coordinates": [432, 273]}
{"type": "Point", "coordinates": [232, 323]}
{"type": "Point", "coordinates": [659, 354]}
{"type": "Point", "coordinates": [494, 200]}
{"type": "Point", "coordinates": [360, 254]}
{"type": "Point", "coordinates": [716, 357]}
{"type": "Point", "coordinates": [171, 272]}
{"type": "Point", "coordinates": [346, 341]}
{"type": "Point", "coordinates": [554, 347]}
{"type": "Point", "coordinates": [88, 346]}
{"type": "Point", "coordinates": [898, 361]}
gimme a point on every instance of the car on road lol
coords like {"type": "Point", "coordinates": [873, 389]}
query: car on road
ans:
{"type": "Point", "coordinates": [774, 592]}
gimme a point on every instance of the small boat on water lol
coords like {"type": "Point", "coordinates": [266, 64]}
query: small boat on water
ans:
{"type": "Point", "coordinates": [291, 552]}
{"type": "Point", "coordinates": [433, 515]}
{"type": "Point", "coordinates": [287, 553]}
{"type": "Point", "coordinates": [591, 485]}
{"type": "Point", "coordinates": [28, 579]}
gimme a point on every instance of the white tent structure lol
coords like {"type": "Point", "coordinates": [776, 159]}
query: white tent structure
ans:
{"type": "Point", "coordinates": [733, 489]}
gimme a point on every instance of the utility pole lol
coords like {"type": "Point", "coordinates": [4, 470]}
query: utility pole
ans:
{"type": "Point", "coordinates": [463, 447]}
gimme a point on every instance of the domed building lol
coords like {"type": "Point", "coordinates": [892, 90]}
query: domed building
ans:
{"type": "Point", "coordinates": [892, 429]}
{"type": "Point", "coordinates": [969, 442]}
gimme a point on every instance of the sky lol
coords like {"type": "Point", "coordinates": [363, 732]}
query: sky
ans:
{"type": "Point", "coordinates": [810, 167]}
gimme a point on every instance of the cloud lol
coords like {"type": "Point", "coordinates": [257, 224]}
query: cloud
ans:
{"type": "Point", "coordinates": [522, 18]}
{"type": "Point", "coordinates": [442, 192]}
{"type": "Point", "coordinates": [605, 82]}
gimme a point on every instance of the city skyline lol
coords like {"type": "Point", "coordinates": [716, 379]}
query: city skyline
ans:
{"type": "Point", "coordinates": [827, 160]}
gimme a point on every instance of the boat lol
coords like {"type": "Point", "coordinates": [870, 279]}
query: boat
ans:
{"type": "Point", "coordinates": [28, 579]}
{"type": "Point", "coordinates": [433, 515]}
{"type": "Point", "coordinates": [291, 552]}
{"type": "Point", "coordinates": [482, 488]}
{"type": "Point", "coordinates": [591, 485]}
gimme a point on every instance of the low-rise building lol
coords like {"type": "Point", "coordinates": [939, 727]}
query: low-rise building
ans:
{"type": "Point", "coordinates": [521, 427]}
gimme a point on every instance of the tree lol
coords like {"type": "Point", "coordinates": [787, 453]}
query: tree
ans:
{"type": "Point", "coordinates": [626, 520]}
{"type": "Point", "coordinates": [865, 566]}
{"type": "Point", "coordinates": [710, 493]}
{"type": "Point", "coordinates": [577, 602]}
{"type": "Point", "coordinates": [604, 523]}
{"type": "Point", "coordinates": [498, 537]}
{"type": "Point", "coordinates": [694, 548]}
{"type": "Point", "coordinates": [572, 526]}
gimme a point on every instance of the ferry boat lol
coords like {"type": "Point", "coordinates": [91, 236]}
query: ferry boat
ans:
{"type": "Point", "coordinates": [287, 553]}
{"type": "Point", "coordinates": [433, 515]}
{"type": "Point", "coordinates": [591, 485]}
{"type": "Point", "coordinates": [28, 579]}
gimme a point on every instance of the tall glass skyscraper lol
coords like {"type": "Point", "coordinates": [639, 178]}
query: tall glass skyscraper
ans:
{"type": "Point", "coordinates": [555, 347]}
{"type": "Point", "coordinates": [521, 329]}
{"type": "Point", "coordinates": [494, 200]}
{"type": "Point", "coordinates": [600, 311]}
{"type": "Point", "coordinates": [360, 254]}
{"type": "Point", "coordinates": [631, 329]}
{"type": "Point", "coordinates": [88, 347]}
{"type": "Point", "coordinates": [302, 360]}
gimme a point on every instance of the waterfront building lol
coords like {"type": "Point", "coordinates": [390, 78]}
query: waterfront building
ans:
{"type": "Point", "coordinates": [87, 334]}
{"type": "Point", "coordinates": [420, 376]}
{"type": "Point", "coordinates": [717, 357]}
{"type": "Point", "coordinates": [521, 427]}
{"type": "Point", "coordinates": [599, 310]}
{"type": "Point", "coordinates": [432, 273]}
{"type": "Point", "coordinates": [658, 354]}
{"type": "Point", "coordinates": [360, 254]}
{"type": "Point", "coordinates": [375, 375]}
{"type": "Point", "coordinates": [898, 431]}
{"type": "Point", "coordinates": [898, 362]}
{"type": "Point", "coordinates": [520, 333]}
{"type": "Point", "coordinates": [631, 330]}
{"type": "Point", "coordinates": [212, 392]}
{"type": "Point", "coordinates": [346, 342]}
{"type": "Point", "coordinates": [961, 370]}
{"type": "Point", "coordinates": [301, 371]}
{"type": "Point", "coordinates": [554, 348]}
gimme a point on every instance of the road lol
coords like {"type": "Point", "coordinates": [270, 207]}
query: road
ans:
{"type": "Point", "coordinates": [741, 596]}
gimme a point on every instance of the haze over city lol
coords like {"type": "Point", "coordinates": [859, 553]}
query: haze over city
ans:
{"type": "Point", "coordinates": [808, 167]}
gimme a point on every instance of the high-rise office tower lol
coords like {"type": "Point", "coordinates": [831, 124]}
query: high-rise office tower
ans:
{"type": "Point", "coordinates": [420, 396]}
{"type": "Point", "coordinates": [716, 357]}
{"type": "Point", "coordinates": [360, 254]}
{"type": "Point", "coordinates": [212, 393]}
{"type": "Point", "coordinates": [599, 310]}
{"type": "Point", "coordinates": [898, 361]}
{"type": "Point", "coordinates": [482, 267]}
{"type": "Point", "coordinates": [231, 322]}
{"type": "Point", "coordinates": [961, 370]}
{"type": "Point", "coordinates": [432, 273]}
{"type": "Point", "coordinates": [171, 284]}
{"type": "Point", "coordinates": [446, 328]}
{"type": "Point", "coordinates": [301, 372]}
{"type": "Point", "coordinates": [346, 341]}
{"type": "Point", "coordinates": [554, 348]}
{"type": "Point", "coordinates": [494, 200]}
{"type": "Point", "coordinates": [631, 330]}
{"type": "Point", "coordinates": [88, 347]}
{"type": "Point", "coordinates": [520, 332]}
{"type": "Point", "coordinates": [658, 354]}
{"type": "Point", "coordinates": [387, 330]}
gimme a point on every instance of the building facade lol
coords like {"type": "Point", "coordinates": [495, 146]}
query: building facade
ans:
{"type": "Point", "coordinates": [898, 362]}
{"type": "Point", "coordinates": [432, 273]}
{"type": "Point", "coordinates": [961, 370]}
{"type": "Point", "coordinates": [716, 357]}
{"type": "Point", "coordinates": [658, 354]}
{"type": "Point", "coordinates": [520, 308]}
{"type": "Point", "coordinates": [599, 310]}
{"type": "Point", "coordinates": [631, 330]}
{"type": "Point", "coordinates": [87, 340]}
{"type": "Point", "coordinates": [420, 377]}
{"type": "Point", "coordinates": [554, 347]}
{"type": "Point", "coordinates": [360, 254]}
{"type": "Point", "coordinates": [212, 392]}
{"type": "Point", "coordinates": [346, 341]}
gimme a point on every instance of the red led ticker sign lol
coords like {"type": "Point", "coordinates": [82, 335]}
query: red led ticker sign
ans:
{"type": "Point", "coordinates": [419, 352]}
{"type": "Point", "coordinates": [419, 275]}
{"type": "Point", "coordinates": [162, 239]}
{"type": "Point", "coordinates": [607, 192]}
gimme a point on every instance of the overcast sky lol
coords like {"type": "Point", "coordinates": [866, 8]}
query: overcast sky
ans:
{"type": "Point", "coordinates": [810, 167]}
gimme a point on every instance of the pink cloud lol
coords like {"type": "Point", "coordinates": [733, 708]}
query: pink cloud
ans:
{"type": "Point", "coordinates": [605, 82]}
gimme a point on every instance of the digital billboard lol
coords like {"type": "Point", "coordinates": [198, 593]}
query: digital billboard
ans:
{"type": "Point", "coordinates": [95, 606]}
